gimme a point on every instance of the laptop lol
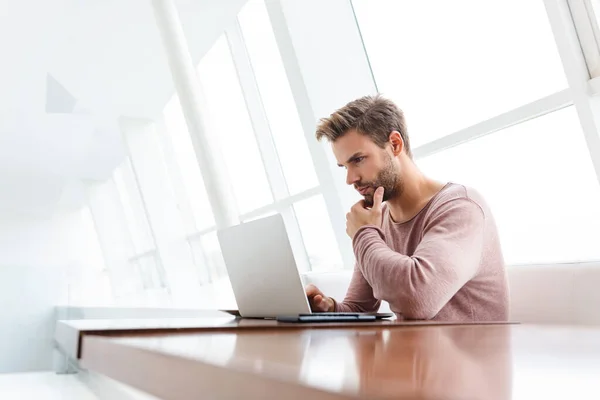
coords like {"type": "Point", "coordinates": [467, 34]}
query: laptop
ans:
{"type": "Point", "coordinates": [264, 275]}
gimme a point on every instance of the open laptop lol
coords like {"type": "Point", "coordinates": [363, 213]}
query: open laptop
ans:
{"type": "Point", "coordinates": [264, 276]}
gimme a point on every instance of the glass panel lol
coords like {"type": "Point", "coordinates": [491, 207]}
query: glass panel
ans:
{"type": "Point", "coordinates": [109, 219]}
{"type": "Point", "coordinates": [230, 124]}
{"type": "Point", "coordinates": [193, 198]}
{"type": "Point", "coordinates": [204, 277]}
{"type": "Point", "coordinates": [539, 181]}
{"type": "Point", "coordinates": [452, 64]}
{"type": "Point", "coordinates": [214, 257]}
{"type": "Point", "coordinates": [91, 243]}
{"type": "Point", "coordinates": [317, 233]}
{"type": "Point", "coordinates": [277, 97]}
{"type": "Point", "coordinates": [125, 280]}
{"type": "Point", "coordinates": [151, 272]}
{"type": "Point", "coordinates": [133, 207]}
{"type": "Point", "coordinates": [89, 284]}
{"type": "Point", "coordinates": [264, 215]}
{"type": "Point", "coordinates": [216, 290]}
{"type": "Point", "coordinates": [208, 257]}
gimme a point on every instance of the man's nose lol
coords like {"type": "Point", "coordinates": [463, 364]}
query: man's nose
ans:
{"type": "Point", "coordinates": [351, 178]}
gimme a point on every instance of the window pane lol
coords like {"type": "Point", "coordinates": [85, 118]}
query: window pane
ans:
{"type": "Point", "coordinates": [133, 207]}
{"type": "Point", "coordinates": [90, 246]}
{"type": "Point", "coordinates": [208, 258]}
{"type": "Point", "coordinates": [214, 257]}
{"type": "Point", "coordinates": [89, 284]}
{"type": "Point", "coordinates": [264, 215]}
{"type": "Point", "coordinates": [317, 233]}
{"type": "Point", "coordinates": [277, 97]}
{"type": "Point", "coordinates": [204, 277]}
{"type": "Point", "coordinates": [110, 223]}
{"type": "Point", "coordinates": [539, 181]}
{"type": "Point", "coordinates": [230, 124]}
{"type": "Point", "coordinates": [193, 198]}
{"type": "Point", "coordinates": [151, 272]}
{"type": "Point", "coordinates": [452, 64]}
{"type": "Point", "coordinates": [216, 290]}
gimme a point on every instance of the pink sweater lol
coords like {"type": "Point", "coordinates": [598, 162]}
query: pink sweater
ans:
{"type": "Point", "coordinates": [444, 264]}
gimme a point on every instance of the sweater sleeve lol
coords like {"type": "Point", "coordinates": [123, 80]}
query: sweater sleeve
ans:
{"type": "Point", "coordinates": [446, 258]}
{"type": "Point", "coordinates": [359, 297]}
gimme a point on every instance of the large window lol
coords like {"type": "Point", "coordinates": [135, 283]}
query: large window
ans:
{"type": "Point", "coordinates": [133, 208]}
{"type": "Point", "coordinates": [453, 64]}
{"type": "Point", "coordinates": [229, 123]}
{"type": "Point", "coordinates": [119, 215]}
{"type": "Point", "coordinates": [297, 196]}
{"type": "Point", "coordinates": [90, 279]}
{"type": "Point", "coordinates": [489, 84]}
{"type": "Point", "coordinates": [540, 184]}
{"type": "Point", "coordinates": [276, 96]}
{"type": "Point", "coordinates": [185, 172]}
{"type": "Point", "coordinates": [192, 199]}
{"type": "Point", "coordinates": [268, 166]}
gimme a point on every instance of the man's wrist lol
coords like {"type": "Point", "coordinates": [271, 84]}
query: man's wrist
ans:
{"type": "Point", "coordinates": [333, 303]}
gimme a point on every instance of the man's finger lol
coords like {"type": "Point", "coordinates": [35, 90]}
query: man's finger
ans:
{"type": "Point", "coordinates": [378, 198]}
{"type": "Point", "coordinates": [311, 290]}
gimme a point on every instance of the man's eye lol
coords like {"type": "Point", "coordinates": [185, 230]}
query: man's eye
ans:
{"type": "Point", "coordinates": [358, 159]}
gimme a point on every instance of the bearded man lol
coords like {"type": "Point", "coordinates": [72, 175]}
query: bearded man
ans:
{"type": "Point", "coordinates": [430, 249]}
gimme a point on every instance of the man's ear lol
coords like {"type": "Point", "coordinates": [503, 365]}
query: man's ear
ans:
{"type": "Point", "coordinates": [396, 143]}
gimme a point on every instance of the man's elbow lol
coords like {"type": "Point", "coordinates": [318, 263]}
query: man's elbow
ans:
{"type": "Point", "coordinates": [420, 312]}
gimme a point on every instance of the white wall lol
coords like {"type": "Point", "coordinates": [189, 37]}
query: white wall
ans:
{"type": "Point", "coordinates": [33, 260]}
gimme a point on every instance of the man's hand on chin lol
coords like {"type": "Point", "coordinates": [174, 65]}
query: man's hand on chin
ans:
{"type": "Point", "coordinates": [360, 216]}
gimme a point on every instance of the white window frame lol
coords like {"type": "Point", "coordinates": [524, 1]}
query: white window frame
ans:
{"type": "Point", "coordinates": [584, 19]}
{"type": "Point", "coordinates": [283, 201]}
{"type": "Point", "coordinates": [574, 63]}
{"type": "Point", "coordinates": [516, 116]}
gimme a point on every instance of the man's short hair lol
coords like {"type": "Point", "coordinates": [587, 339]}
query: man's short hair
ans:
{"type": "Point", "coordinates": [372, 116]}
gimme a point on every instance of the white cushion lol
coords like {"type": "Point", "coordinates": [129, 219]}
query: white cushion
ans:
{"type": "Point", "coordinates": [555, 293]}
{"type": "Point", "coordinates": [540, 294]}
{"type": "Point", "coordinates": [586, 294]}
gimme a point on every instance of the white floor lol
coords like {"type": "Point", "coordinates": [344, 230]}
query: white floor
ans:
{"type": "Point", "coordinates": [43, 386]}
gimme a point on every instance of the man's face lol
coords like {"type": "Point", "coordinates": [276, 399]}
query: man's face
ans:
{"type": "Point", "coordinates": [368, 166]}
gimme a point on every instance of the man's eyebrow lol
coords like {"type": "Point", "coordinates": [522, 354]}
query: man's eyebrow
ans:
{"type": "Point", "coordinates": [352, 157]}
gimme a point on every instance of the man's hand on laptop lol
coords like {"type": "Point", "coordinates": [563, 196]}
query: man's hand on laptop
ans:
{"type": "Point", "coordinates": [317, 300]}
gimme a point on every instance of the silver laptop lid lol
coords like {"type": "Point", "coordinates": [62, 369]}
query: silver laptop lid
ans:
{"type": "Point", "coordinates": [262, 270]}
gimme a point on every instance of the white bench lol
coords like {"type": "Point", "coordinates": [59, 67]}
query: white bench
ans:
{"type": "Point", "coordinates": [549, 294]}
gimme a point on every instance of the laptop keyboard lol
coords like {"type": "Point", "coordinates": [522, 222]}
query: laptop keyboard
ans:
{"type": "Point", "coordinates": [337, 317]}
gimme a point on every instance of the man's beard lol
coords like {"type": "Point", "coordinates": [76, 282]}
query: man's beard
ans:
{"type": "Point", "coordinates": [389, 179]}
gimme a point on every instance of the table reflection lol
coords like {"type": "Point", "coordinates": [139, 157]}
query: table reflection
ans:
{"type": "Point", "coordinates": [449, 362]}
{"type": "Point", "coordinates": [436, 362]}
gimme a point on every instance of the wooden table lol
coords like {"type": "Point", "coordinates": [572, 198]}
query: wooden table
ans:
{"type": "Point", "coordinates": [251, 359]}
